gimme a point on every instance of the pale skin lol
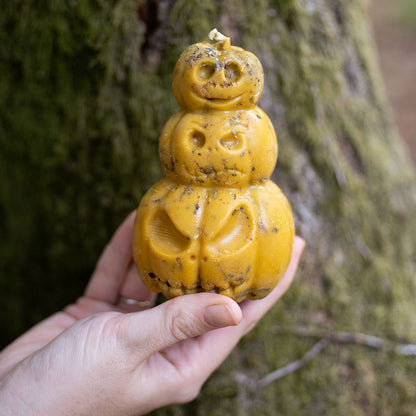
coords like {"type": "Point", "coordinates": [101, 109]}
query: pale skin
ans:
{"type": "Point", "coordinates": [109, 355]}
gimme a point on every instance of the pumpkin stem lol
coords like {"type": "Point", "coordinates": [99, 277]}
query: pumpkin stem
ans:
{"type": "Point", "coordinates": [224, 41]}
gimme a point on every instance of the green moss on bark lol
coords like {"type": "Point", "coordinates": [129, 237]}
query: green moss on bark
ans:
{"type": "Point", "coordinates": [79, 146]}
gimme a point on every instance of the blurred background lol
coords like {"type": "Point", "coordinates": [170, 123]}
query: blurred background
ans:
{"type": "Point", "coordinates": [394, 25]}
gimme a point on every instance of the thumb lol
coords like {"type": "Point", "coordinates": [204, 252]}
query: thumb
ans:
{"type": "Point", "coordinates": [176, 320]}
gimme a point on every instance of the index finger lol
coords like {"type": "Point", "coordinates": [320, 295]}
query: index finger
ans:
{"type": "Point", "coordinates": [253, 311]}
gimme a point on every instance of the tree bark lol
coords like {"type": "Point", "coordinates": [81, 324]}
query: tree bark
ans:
{"type": "Point", "coordinates": [84, 95]}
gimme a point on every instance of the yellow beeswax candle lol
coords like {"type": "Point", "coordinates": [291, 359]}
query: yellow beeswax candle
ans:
{"type": "Point", "coordinates": [216, 222]}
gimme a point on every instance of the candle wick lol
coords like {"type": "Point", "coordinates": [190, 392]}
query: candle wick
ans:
{"type": "Point", "coordinates": [217, 36]}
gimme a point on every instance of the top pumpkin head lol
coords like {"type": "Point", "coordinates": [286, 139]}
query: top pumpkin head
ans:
{"type": "Point", "coordinates": [217, 76]}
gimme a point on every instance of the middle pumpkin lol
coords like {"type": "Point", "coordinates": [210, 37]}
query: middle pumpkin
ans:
{"type": "Point", "coordinates": [231, 149]}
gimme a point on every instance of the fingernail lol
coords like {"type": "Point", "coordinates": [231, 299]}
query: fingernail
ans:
{"type": "Point", "coordinates": [220, 316]}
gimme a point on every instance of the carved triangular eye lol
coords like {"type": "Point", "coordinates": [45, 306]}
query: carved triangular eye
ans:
{"type": "Point", "coordinates": [232, 141]}
{"type": "Point", "coordinates": [232, 71]}
{"type": "Point", "coordinates": [237, 232]}
{"type": "Point", "coordinates": [165, 236]}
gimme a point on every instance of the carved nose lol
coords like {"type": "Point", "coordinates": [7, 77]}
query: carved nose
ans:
{"type": "Point", "coordinates": [219, 77]}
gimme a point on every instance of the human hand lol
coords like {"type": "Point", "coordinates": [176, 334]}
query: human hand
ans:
{"type": "Point", "coordinates": [111, 354]}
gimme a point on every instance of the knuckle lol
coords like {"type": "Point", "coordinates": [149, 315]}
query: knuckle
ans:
{"type": "Point", "coordinates": [181, 324]}
{"type": "Point", "coordinates": [179, 327]}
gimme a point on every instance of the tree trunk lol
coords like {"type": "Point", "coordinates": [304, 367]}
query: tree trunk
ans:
{"type": "Point", "coordinates": [84, 93]}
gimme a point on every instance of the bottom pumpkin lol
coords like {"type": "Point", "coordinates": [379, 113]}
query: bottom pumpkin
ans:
{"type": "Point", "coordinates": [235, 242]}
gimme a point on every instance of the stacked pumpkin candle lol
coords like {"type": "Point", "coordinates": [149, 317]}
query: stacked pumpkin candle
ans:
{"type": "Point", "coordinates": [216, 222]}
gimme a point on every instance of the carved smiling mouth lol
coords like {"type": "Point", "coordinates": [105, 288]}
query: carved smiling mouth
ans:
{"type": "Point", "coordinates": [222, 100]}
{"type": "Point", "coordinates": [214, 100]}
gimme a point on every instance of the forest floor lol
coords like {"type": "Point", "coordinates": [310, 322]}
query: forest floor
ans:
{"type": "Point", "coordinates": [396, 40]}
